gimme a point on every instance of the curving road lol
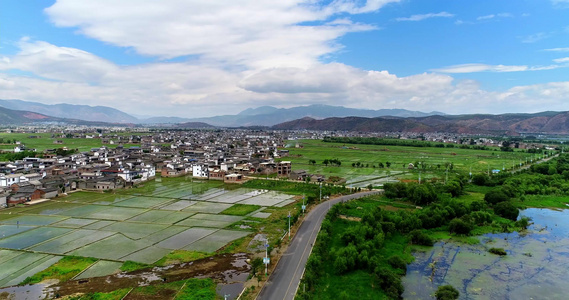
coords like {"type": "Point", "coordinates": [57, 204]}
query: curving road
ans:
{"type": "Point", "coordinates": [284, 281]}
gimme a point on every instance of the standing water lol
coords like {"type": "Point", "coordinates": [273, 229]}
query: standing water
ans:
{"type": "Point", "coordinates": [536, 267]}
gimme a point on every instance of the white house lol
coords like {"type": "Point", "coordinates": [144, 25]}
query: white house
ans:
{"type": "Point", "coordinates": [8, 180]}
{"type": "Point", "coordinates": [200, 171]}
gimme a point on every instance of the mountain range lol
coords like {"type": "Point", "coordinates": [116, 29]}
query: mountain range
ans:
{"type": "Point", "coordinates": [260, 116]}
{"type": "Point", "coordinates": [509, 124]}
{"type": "Point", "coordinates": [310, 117]}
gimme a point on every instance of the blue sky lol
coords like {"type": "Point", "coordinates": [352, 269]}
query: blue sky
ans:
{"type": "Point", "coordinates": [201, 58]}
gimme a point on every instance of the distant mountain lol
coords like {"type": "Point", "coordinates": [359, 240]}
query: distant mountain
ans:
{"type": "Point", "coordinates": [269, 116]}
{"type": "Point", "coordinates": [194, 125]}
{"type": "Point", "coordinates": [18, 117]}
{"type": "Point", "coordinates": [72, 111]}
{"type": "Point", "coordinates": [163, 120]}
{"type": "Point", "coordinates": [512, 124]}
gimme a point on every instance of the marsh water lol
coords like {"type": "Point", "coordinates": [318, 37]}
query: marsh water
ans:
{"type": "Point", "coordinates": [536, 267]}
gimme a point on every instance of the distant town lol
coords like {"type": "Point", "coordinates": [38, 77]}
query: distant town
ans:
{"type": "Point", "coordinates": [229, 155]}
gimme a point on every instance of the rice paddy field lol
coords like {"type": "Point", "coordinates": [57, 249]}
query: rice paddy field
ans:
{"type": "Point", "coordinates": [432, 161]}
{"type": "Point", "coordinates": [141, 224]}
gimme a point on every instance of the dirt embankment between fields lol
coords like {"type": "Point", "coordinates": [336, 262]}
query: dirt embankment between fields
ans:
{"type": "Point", "coordinates": [224, 268]}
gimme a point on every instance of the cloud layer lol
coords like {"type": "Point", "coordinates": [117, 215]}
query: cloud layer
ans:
{"type": "Point", "coordinates": [242, 54]}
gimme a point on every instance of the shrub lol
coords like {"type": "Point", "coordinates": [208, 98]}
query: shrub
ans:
{"type": "Point", "coordinates": [460, 226]}
{"type": "Point", "coordinates": [498, 251]}
{"type": "Point", "coordinates": [495, 197]}
{"type": "Point", "coordinates": [389, 282]}
{"type": "Point", "coordinates": [420, 238]}
{"type": "Point", "coordinates": [397, 262]}
{"type": "Point", "coordinates": [446, 292]}
{"type": "Point", "coordinates": [506, 210]}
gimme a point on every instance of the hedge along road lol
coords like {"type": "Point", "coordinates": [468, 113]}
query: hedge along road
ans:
{"type": "Point", "coordinates": [284, 281]}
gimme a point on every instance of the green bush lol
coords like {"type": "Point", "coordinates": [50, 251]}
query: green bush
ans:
{"type": "Point", "coordinates": [397, 262]}
{"type": "Point", "coordinates": [446, 292]}
{"type": "Point", "coordinates": [420, 238]}
{"type": "Point", "coordinates": [506, 210]}
{"type": "Point", "coordinates": [495, 197]}
{"type": "Point", "coordinates": [460, 226]}
{"type": "Point", "coordinates": [498, 251]}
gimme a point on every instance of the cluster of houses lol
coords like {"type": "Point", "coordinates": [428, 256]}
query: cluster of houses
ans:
{"type": "Point", "coordinates": [229, 156]}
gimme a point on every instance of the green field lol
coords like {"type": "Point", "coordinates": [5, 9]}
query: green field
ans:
{"type": "Point", "coordinates": [432, 161]}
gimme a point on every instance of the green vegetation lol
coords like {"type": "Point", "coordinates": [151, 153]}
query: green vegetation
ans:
{"type": "Point", "coordinates": [498, 251]}
{"type": "Point", "coordinates": [164, 291]}
{"type": "Point", "coordinates": [446, 292]}
{"type": "Point", "coordinates": [433, 161]}
{"type": "Point", "coordinates": [114, 295]}
{"type": "Point", "coordinates": [198, 289]}
{"type": "Point", "coordinates": [181, 256]}
{"type": "Point", "coordinates": [129, 266]}
{"type": "Point", "coordinates": [65, 269]}
{"type": "Point", "coordinates": [240, 209]}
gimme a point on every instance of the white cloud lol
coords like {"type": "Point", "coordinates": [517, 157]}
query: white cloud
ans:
{"type": "Point", "coordinates": [560, 3]}
{"type": "Point", "coordinates": [472, 68]}
{"type": "Point", "coordinates": [487, 17]}
{"type": "Point", "coordinates": [535, 37]}
{"type": "Point", "coordinates": [561, 60]}
{"type": "Point", "coordinates": [255, 34]}
{"type": "Point", "coordinates": [57, 63]}
{"type": "Point", "coordinates": [558, 49]}
{"type": "Point", "coordinates": [492, 16]}
{"type": "Point", "coordinates": [443, 14]}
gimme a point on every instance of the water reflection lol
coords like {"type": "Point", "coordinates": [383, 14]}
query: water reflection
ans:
{"type": "Point", "coordinates": [536, 266]}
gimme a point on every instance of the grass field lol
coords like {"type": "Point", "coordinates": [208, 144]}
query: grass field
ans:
{"type": "Point", "coordinates": [45, 141]}
{"type": "Point", "coordinates": [432, 161]}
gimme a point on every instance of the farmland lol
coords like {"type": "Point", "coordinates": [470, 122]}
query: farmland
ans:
{"type": "Point", "coordinates": [431, 161]}
{"type": "Point", "coordinates": [140, 225]}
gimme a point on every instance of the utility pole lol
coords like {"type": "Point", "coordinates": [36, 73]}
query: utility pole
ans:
{"type": "Point", "coordinates": [266, 260]}
{"type": "Point", "coordinates": [303, 205]}
{"type": "Point", "coordinates": [320, 191]}
{"type": "Point", "coordinates": [289, 225]}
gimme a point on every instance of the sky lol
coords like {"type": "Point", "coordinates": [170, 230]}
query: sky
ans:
{"type": "Point", "coordinates": [191, 58]}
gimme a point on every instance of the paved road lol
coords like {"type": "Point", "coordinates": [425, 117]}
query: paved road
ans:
{"type": "Point", "coordinates": [284, 280]}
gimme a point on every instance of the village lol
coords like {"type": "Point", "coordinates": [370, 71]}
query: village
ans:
{"type": "Point", "coordinates": [229, 155]}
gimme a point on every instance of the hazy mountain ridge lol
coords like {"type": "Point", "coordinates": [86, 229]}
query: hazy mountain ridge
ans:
{"type": "Point", "coordinates": [544, 122]}
{"type": "Point", "coordinates": [72, 111]}
{"type": "Point", "coordinates": [22, 117]}
{"type": "Point", "coordinates": [269, 116]}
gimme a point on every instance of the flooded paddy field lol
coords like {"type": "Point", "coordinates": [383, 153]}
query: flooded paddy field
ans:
{"type": "Point", "coordinates": [142, 224]}
{"type": "Point", "coordinates": [536, 265]}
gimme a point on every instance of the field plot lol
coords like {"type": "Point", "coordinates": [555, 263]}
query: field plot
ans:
{"type": "Point", "coordinates": [215, 240]}
{"type": "Point", "coordinates": [32, 237]}
{"type": "Point", "coordinates": [100, 268]}
{"type": "Point", "coordinates": [16, 266]}
{"type": "Point", "coordinates": [71, 241]}
{"type": "Point", "coordinates": [185, 238]}
{"type": "Point", "coordinates": [231, 197]}
{"type": "Point", "coordinates": [143, 202]}
{"type": "Point", "coordinates": [32, 220]}
{"type": "Point", "coordinates": [134, 231]}
{"type": "Point", "coordinates": [178, 205]}
{"type": "Point", "coordinates": [142, 224]}
{"type": "Point", "coordinates": [117, 213]}
{"type": "Point", "coordinates": [8, 230]}
{"type": "Point", "coordinates": [207, 207]}
{"type": "Point", "coordinates": [113, 248]}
